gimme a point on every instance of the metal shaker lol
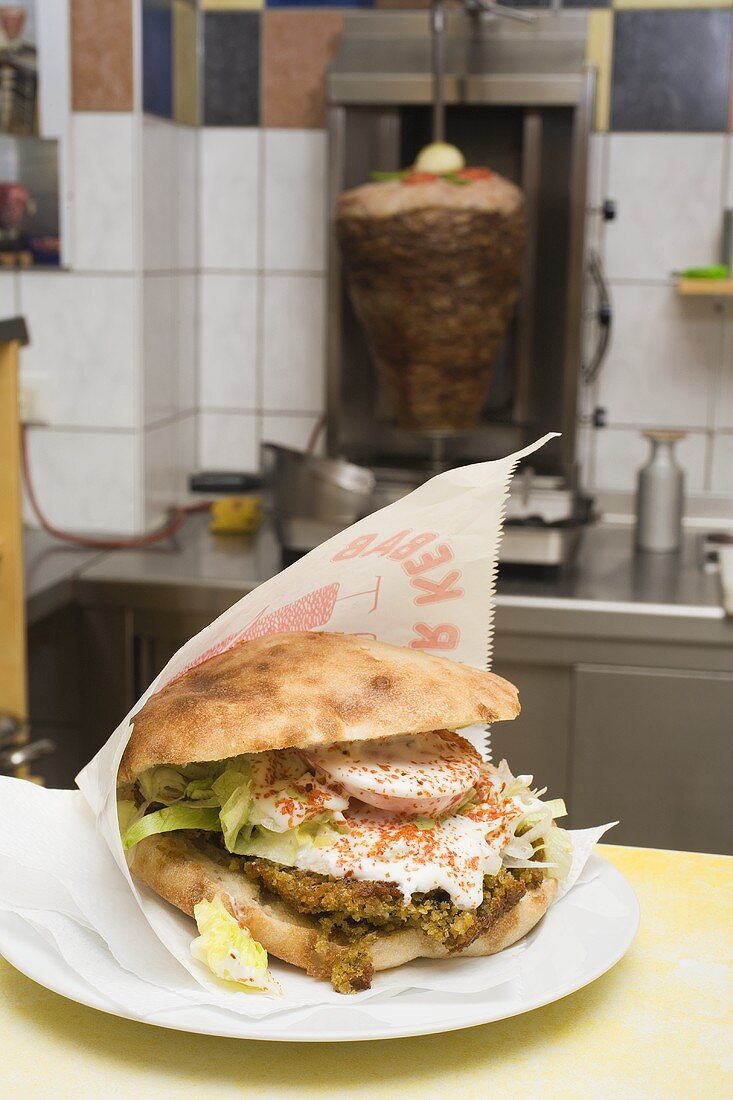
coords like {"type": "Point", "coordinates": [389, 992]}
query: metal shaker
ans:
{"type": "Point", "coordinates": [660, 494]}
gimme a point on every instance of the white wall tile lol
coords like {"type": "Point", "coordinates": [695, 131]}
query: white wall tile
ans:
{"type": "Point", "coordinates": [228, 441]}
{"type": "Point", "coordinates": [621, 452]}
{"type": "Point", "coordinates": [723, 405]}
{"type": "Point", "coordinates": [160, 378]}
{"type": "Point", "coordinates": [291, 431]}
{"type": "Point", "coordinates": [186, 193]}
{"type": "Point", "coordinates": [82, 330]}
{"type": "Point", "coordinates": [229, 216]}
{"type": "Point", "coordinates": [729, 173]}
{"type": "Point", "coordinates": [294, 343]}
{"type": "Point", "coordinates": [104, 160]}
{"type": "Point", "coordinates": [722, 468]}
{"type": "Point", "coordinates": [661, 364]}
{"type": "Point", "coordinates": [159, 190]}
{"type": "Point", "coordinates": [169, 457]}
{"type": "Point", "coordinates": [228, 341]}
{"type": "Point", "coordinates": [668, 188]}
{"type": "Point", "coordinates": [185, 324]}
{"type": "Point", "coordinates": [295, 200]}
{"type": "Point", "coordinates": [85, 481]}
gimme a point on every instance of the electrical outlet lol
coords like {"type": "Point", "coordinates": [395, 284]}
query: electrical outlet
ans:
{"type": "Point", "coordinates": [35, 397]}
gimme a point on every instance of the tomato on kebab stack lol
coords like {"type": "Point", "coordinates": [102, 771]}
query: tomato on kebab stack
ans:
{"type": "Point", "coordinates": [306, 794]}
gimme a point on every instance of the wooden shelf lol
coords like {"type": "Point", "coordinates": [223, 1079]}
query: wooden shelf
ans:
{"type": "Point", "coordinates": [706, 288]}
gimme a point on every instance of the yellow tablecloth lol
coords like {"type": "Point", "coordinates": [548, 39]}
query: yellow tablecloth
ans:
{"type": "Point", "coordinates": [658, 1025]}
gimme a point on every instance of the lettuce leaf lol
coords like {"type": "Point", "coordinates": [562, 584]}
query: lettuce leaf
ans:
{"type": "Point", "coordinates": [228, 949]}
{"type": "Point", "coordinates": [169, 819]}
{"type": "Point", "coordinates": [233, 790]}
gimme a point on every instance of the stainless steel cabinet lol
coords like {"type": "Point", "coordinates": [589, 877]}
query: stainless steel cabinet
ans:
{"type": "Point", "coordinates": [653, 748]}
{"type": "Point", "coordinates": [644, 741]}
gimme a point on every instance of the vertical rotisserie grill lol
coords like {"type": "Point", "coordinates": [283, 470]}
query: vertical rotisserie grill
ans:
{"type": "Point", "coordinates": [433, 269]}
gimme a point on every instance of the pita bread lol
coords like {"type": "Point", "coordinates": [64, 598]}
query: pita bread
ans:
{"type": "Point", "coordinates": [305, 689]}
{"type": "Point", "coordinates": [183, 875]}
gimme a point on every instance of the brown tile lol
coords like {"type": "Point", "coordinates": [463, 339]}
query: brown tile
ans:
{"type": "Point", "coordinates": [297, 48]}
{"type": "Point", "coordinates": [101, 55]}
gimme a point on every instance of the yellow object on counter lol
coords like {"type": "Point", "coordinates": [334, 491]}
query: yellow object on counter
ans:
{"type": "Point", "coordinates": [235, 515]}
{"type": "Point", "coordinates": [655, 1027]}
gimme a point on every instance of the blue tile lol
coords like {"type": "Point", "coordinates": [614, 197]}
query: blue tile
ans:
{"type": "Point", "coordinates": [157, 57]}
{"type": "Point", "coordinates": [671, 70]}
{"type": "Point", "coordinates": [231, 68]}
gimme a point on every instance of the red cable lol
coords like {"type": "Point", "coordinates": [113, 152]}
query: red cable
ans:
{"type": "Point", "coordinates": [179, 515]}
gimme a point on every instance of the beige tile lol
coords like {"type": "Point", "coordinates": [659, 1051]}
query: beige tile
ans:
{"type": "Point", "coordinates": [599, 50]}
{"type": "Point", "coordinates": [101, 55]}
{"type": "Point", "coordinates": [297, 47]}
{"type": "Point", "coordinates": [185, 63]}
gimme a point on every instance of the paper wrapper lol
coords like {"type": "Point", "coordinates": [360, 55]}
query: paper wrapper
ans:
{"type": "Point", "coordinates": [419, 573]}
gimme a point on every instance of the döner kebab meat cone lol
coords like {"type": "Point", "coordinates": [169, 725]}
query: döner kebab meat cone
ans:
{"type": "Point", "coordinates": [433, 264]}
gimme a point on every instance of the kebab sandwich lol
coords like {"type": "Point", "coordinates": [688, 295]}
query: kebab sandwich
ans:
{"type": "Point", "coordinates": [307, 795]}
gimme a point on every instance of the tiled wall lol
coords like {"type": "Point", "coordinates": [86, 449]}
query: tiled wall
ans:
{"type": "Point", "coordinates": [190, 324]}
{"type": "Point", "coordinates": [84, 324]}
{"type": "Point", "coordinates": [663, 152]}
{"type": "Point", "coordinates": [114, 334]}
{"type": "Point", "coordinates": [671, 358]}
{"type": "Point", "coordinates": [261, 290]}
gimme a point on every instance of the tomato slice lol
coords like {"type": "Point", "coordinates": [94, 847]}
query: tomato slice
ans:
{"type": "Point", "coordinates": [426, 774]}
{"type": "Point", "coordinates": [420, 177]}
{"type": "Point", "coordinates": [475, 174]}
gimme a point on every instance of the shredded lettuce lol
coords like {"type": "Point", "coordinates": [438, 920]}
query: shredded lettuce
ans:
{"type": "Point", "coordinates": [169, 819]}
{"type": "Point", "coordinates": [535, 841]}
{"type": "Point", "coordinates": [284, 847]}
{"type": "Point", "coordinates": [222, 796]}
{"type": "Point", "coordinates": [228, 949]}
{"type": "Point", "coordinates": [558, 852]}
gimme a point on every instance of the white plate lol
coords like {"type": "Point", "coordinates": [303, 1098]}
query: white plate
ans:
{"type": "Point", "coordinates": [580, 938]}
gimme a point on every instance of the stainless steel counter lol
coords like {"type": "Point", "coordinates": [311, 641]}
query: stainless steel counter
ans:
{"type": "Point", "coordinates": [203, 574]}
{"type": "Point", "coordinates": [51, 570]}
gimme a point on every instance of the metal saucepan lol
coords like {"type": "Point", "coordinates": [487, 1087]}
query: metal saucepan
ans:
{"type": "Point", "coordinates": [312, 497]}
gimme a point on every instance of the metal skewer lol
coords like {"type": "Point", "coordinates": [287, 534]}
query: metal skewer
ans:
{"type": "Point", "coordinates": [437, 26]}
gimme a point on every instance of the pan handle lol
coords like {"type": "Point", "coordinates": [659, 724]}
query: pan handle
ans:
{"type": "Point", "coordinates": [604, 318]}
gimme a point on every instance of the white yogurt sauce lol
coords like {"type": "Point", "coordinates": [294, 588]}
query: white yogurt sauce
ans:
{"type": "Point", "coordinates": [453, 855]}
